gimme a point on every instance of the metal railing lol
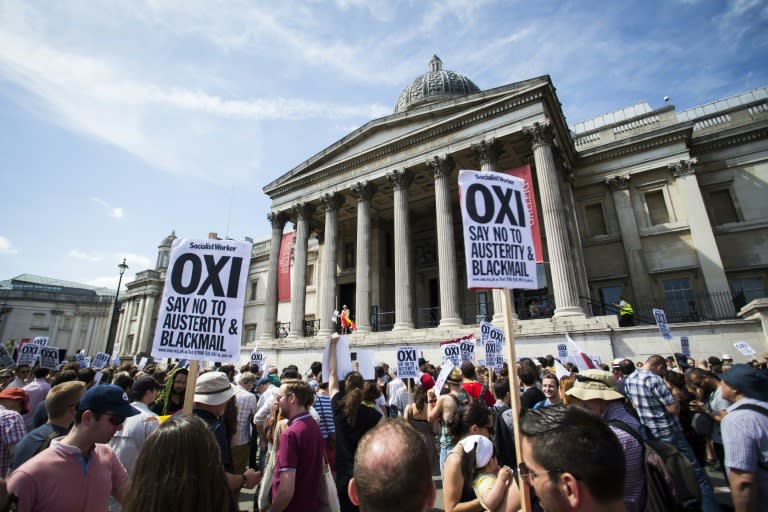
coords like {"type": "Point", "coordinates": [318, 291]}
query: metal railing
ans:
{"type": "Point", "coordinates": [311, 328]}
{"type": "Point", "coordinates": [693, 307]}
{"type": "Point", "coordinates": [282, 329]}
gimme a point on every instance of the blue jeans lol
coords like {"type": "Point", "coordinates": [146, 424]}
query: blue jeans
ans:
{"type": "Point", "coordinates": [708, 501]}
{"type": "Point", "coordinates": [444, 451]}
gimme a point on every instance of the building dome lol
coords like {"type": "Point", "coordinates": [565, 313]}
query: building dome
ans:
{"type": "Point", "coordinates": [435, 85]}
{"type": "Point", "coordinates": [168, 241]}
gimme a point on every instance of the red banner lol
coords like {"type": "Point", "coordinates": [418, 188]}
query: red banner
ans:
{"type": "Point", "coordinates": [530, 196]}
{"type": "Point", "coordinates": [284, 268]}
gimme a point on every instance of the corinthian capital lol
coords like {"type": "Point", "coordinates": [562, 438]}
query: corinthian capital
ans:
{"type": "Point", "coordinates": [487, 151]}
{"type": "Point", "coordinates": [441, 166]}
{"type": "Point", "coordinates": [277, 219]}
{"type": "Point", "coordinates": [540, 133]}
{"type": "Point", "coordinates": [400, 179]}
{"type": "Point", "coordinates": [618, 182]}
{"type": "Point", "coordinates": [363, 190]}
{"type": "Point", "coordinates": [683, 167]}
{"type": "Point", "coordinates": [331, 201]}
{"type": "Point", "coordinates": [303, 210]}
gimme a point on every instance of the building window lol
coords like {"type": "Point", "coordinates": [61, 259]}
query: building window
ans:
{"type": "Point", "coordinates": [657, 207]}
{"type": "Point", "coordinates": [254, 289]}
{"type": "Point", "coordinates": [721, 207]}
{"type": "Point", "coordinates": [750, 288]}
{"type": "Point", "coordinates": [39, 320]}
{"type": "Point", "coordinates": [311, 276]}
{"type": "Point", "coordinates": [66, 322]}
{"type": "Point", "coordinates": [349, 255]}
{"type": "Point", "coordinates": [594, 217]}
{"type": "Point", "coordinates": [680, 300]}
{"type": "Point", "coordinates": [250, 334]}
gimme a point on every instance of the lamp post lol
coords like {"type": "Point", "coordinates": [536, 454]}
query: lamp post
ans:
{"type": "Point", "coordinates": [111, 333]}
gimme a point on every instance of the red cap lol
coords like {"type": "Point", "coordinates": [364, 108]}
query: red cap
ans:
{"type": "Point", "coordinates": [427, 381]}
{"type": "Point", "coordinates": [17, 394]}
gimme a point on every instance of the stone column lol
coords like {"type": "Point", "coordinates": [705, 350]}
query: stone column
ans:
{"type": "Point", "coordinates": [364, 192]}
{"type": "Point", "coordinates": [561, 259]}
{"type": "Point", "coordinates": [86, 343]}
{"type": "Point", "coordinates": [139, 322]}
{"type": "Point", "coordinates": [303, 211]}
{"type": "Point", "coordinates": [270, 306]}
{"type": "Point", "coordinates": [487, 153]}
{"type": "Point", "coordinates": [75, 333]}
{"type": "Point", "coordinates": [446, 245]}
{"type": "Point", "coordinates": [701, 230]}
{"type": "Point", "coordinates": [400, 181]}
{"type": "Point", "coordinates": [147, 335]}
{"type": "Point", "coordinates": [630, 236]}
{"type": "Point", "coordinates": [327, 303]}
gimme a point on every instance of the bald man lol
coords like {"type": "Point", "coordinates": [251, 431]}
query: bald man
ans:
{"type": "Point", "coordinates": [392, 470]}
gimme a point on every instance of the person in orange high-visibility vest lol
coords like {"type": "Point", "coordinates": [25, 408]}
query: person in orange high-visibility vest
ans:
{"type": "Point", "coordinates": [347, 325]}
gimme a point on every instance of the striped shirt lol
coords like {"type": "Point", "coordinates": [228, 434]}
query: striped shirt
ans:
{"type": "Point", "coordinates": [745, 439]}
{"type": "Point", "coordinates": [325, 412]}
{"type": "Point", "coordinates": [246, 408]}
{"type": "Point", "coordinates": [11, 432]}
{"type": "Point", "coordinates": [651, 397]}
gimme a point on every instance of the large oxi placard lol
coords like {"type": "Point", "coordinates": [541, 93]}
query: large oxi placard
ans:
{"type": "Point", "coordinates": [202, 309]}
{"type": "Point", "coordinates": [498, 243]}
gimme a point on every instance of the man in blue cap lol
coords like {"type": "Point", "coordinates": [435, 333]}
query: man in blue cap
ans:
{"type": "Point", "coordinates": [78, 471]}
{"type": "Point", "coordinates": [745, 435]}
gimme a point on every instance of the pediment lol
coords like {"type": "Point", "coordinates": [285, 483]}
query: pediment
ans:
{"type": "Point", "coordinates": [380, 138]}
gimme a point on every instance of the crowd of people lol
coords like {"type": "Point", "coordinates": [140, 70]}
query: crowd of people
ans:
{"type": "Point", "coordinates": [119, 439]}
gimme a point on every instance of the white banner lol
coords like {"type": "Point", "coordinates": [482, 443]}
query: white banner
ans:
{"type": "Point", "coordinates": [202, 309]}
{"type": "Point", "coordinates": [443, 376]}
{"type": "Point", "coordinates": [407, 362]}
{"type": "Point", "coordinates": [343, 359]}
{"type": "Point", "coordinates": [685, 346]}
{"type": "Point", "coordinates": [49, 358]}
{"type": "Point", "coordinates": [366, 363]}
{"type": "Point", "coordinates": [498, 243]}
{"type": "Point", "coordinates": [744, 348]}
{"type": "Point", "coordinates": [259, 359]}
{"type": "Point", "coordinates": [41, 340]}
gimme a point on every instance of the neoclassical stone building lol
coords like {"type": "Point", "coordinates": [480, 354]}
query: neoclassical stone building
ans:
{"type": "Point", "coordinates": [666, 208]}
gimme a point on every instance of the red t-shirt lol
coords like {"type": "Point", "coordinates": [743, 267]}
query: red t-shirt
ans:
{"type": "Point", "coordinates": [474, 389]}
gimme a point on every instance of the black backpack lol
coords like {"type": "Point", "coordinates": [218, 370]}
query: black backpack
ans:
{"type": "Point", "coordinates": [670, 481]}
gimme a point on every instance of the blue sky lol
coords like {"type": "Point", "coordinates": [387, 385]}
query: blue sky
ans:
{"type": "Point", "coordinates": [124, 120]}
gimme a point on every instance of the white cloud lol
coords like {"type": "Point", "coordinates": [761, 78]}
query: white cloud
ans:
{"type": "Point", "coordinates": [85, 256]}
{"type": "Point", "coordinates": [116, 213]}
{"type": "Point", "coordinates": [136, 262]}
{"type": "Point", "coordinates": [6, 247]}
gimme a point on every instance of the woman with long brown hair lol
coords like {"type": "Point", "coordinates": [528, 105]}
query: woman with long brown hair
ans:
{"type": "Point", "coordinates": [179, 468]}
{"type": "Point", "coordinates": [351, 418]}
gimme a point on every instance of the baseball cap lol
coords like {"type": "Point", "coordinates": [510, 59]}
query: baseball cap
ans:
{"type": "Point", "coordinates": [144, 384]}
{"type": "Point", "coordinates": [262, 381]}
{"type": "Point", "coordinates": [752, 382]}
{"type": "Point", "coordinates": [107, 398]}
{"type": "Point", "coordinates": [17, 394]}
{"type": "Point", "coordinates": [726, 357]}
{"type": "Point", "coordinates": [213, 388]}
{"type": "Point", "coordinates": [484, 449]}
{"type": "Point", "coordinates": [592, 384]}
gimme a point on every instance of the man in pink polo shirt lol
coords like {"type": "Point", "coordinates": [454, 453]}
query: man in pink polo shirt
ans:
{"type": "Point", "coordinates": [299, 462]}
{"type": "Point", "coordinates": [78, 471]}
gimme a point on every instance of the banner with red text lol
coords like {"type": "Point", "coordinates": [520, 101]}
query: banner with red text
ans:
{"type": "Point", "coordinates": [524, 172]}
{"type": "Point", "coordinates": [284, 267]}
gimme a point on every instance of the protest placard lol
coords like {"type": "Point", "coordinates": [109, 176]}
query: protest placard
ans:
{"type": "Point", "coordinates": [258, 358]}
{"type": "Point", "coordinates": [451, 352]}
{"type": "Point", "coordinates": [744, 348]}
{"type": "Point", "coordinates": [685, 346]}
{"type": "Point", "coordinates": [492, 340]}
{"type": "Point", "coordinates": [100, 360]}
{"type": "Point", "coordinates": [661, 322]}
{"type": "Point", "coordinates": [28, 354]}
{"type": "Point", "coordinates": [467, 348]}
{"type": "Point", "coordinates": [41, 340]}
{"type": "Point", "coordinates": [343, 359]}
{"type": "Point", "coordinates": [407, 362]}
{"type": "Point", "coordinates": [443, 375]}
{"type": "Point", "coordinates": [366, 364]}
{"type": "Point", "coordinates": [498, 243]}
{"type": "Point", "coordinates": [6, 361]}
{"type": "Point", "coordinates": [142, 363]}
{"type": "Point", "coordinates": [202, 308]}
{"type": "Point", "coordinates": [49, 357]}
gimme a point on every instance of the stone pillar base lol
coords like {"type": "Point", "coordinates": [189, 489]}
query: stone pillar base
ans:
{"type": "Point", "coordinates": [402, 327]}
{"type": "Point", "coordinates": [570, 311]}
{"type": "Point", "coordinates": [450, 322]}
{"type": "Point", "coordinates": [325, 333]}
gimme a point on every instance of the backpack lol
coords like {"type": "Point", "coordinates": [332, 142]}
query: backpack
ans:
{"type": "Point", "coordinates": [670, 481]}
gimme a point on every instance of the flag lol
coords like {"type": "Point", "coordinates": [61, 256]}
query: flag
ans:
{"type": "Point", "coordinates": [560, 370]}
{"type": "Point", "coordinates": [582, 360]}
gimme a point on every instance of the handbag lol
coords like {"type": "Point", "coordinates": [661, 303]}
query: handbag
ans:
{"type": "Point", "coordinates": [329, 500]}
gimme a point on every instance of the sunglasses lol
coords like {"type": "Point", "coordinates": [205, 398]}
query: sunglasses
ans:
{"type": "Point", "coordinates": [529, 476]}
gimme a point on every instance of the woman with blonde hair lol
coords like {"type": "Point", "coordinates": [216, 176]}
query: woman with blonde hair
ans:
{"type": "Point", "coordinates": [179, 468]}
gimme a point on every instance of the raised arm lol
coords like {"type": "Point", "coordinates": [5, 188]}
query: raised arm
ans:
{"type": "Point", "coordinates": [333, 375]}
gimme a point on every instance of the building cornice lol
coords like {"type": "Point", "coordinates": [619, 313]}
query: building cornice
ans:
{"type": "Point", "coordinates": [635, 145]}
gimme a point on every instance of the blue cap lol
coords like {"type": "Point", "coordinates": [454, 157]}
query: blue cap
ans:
{"type": "Point", "coordinates": [107, 398]}
{"type": "Point", "coordinates": [751, 382]}
{"type": "Point", "coordinates": [263, 380]}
